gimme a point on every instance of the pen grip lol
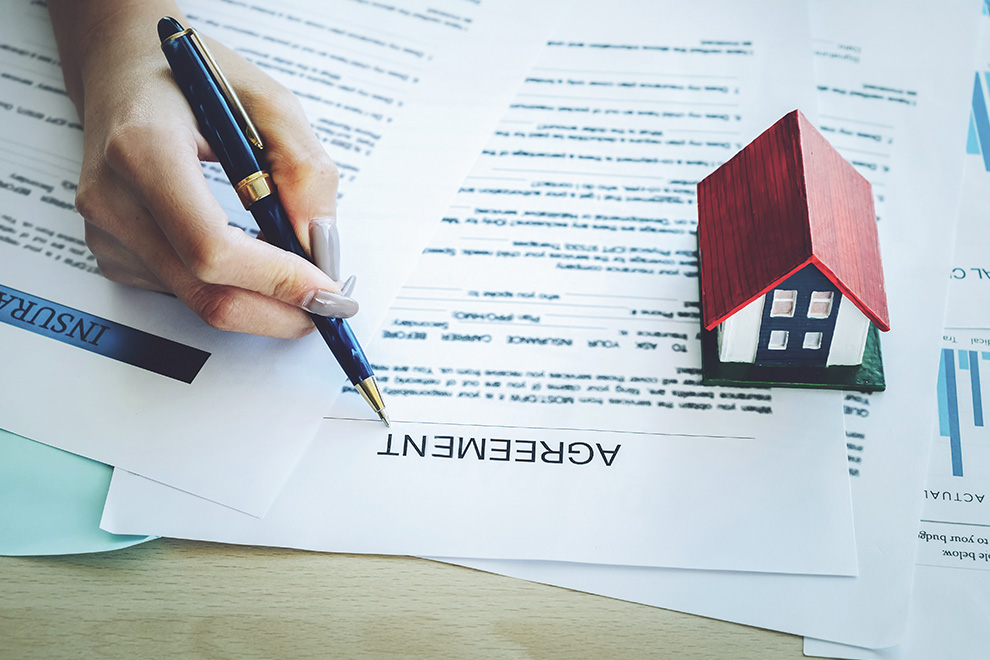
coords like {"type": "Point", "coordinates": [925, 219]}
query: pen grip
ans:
{"type": "Point", "coordinates": [271, 218]}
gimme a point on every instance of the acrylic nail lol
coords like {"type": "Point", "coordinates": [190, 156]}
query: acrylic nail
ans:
{"type": "Point", "coordinates": [325, 245]}
{"type": "Point", "coordinates": [348, 286]}
{"type": "Point", "coordinates": [325, 303]}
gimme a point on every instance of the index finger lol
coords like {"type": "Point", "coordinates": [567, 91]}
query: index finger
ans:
{"type": "Point", "coordinates": [166, 175]}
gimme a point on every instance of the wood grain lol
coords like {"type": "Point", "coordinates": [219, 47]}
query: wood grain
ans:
{"type": "Point", "coordinates": [199, 600]}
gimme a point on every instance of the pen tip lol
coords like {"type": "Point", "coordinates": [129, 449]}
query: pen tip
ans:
{"type": "Point", "coordinates": [384, 417]}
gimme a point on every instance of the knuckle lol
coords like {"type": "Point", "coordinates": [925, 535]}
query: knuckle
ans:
{"type": "Point", "coordinates": [110, 270]}
{"type": "Point", "coordinates": [206, 260]}
{"type": "Point", "coordinates": [96, 241]}
{"type": "Point", "coordinates": [90, 201]}
{"type": "Point", "coordinates": [132, 142]}
{"type": "Point", "coordinates": [126, 146]}
{"type": "Point", "coordinates": [312, 165]}
{"type": "Point", "coordinates": [288, 288]}
{"type": "Point", "coordinates": [218, 306]}
{"type": "Point", "coordinates": [330, 171]}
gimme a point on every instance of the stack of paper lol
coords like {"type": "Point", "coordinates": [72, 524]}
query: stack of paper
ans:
{"type": "Point", "coordinates": [563, 413]}
{"type": "Point", "coordinates": [541, 362]}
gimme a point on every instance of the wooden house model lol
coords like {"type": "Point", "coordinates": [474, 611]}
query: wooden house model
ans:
{"type": "Point", "coordinates": [789, 254]}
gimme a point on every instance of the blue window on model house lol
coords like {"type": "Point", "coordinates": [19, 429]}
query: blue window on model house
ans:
{"type": "Point", "coordinates": [799, 320]}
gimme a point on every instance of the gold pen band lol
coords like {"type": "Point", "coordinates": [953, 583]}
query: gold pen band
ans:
{"type": "Point", "coordinates": [254, 187]}
{"type": "Point", "coordinates": [188, 30]}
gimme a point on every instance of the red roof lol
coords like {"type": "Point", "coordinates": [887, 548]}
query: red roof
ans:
{"type": "Point", "coordinates": [788, 199]}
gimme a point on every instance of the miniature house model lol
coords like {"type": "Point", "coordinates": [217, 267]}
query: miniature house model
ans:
{"type": "Point", "coordinates": [789, 254]}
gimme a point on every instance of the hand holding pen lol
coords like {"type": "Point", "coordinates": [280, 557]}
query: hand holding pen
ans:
{"type": "Point", "coordinates": [151, 220]}
{"type": "Point", "coordinates": [240, 150]}
{"type": "Point", "coordinates": [150, 217]}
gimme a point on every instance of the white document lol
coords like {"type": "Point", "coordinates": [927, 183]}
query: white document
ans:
{"type": "Point", "coordinates": [541, 366]}
{"type": "Point", "coordinates": [950, 604]}
{"type": "Point", "coordinates": [403, 95]}
{"type": "Point", "coordinates": [888, 434]}
{"type": "Point", "coordinates": [969, 283]}
{"type": "Point", "coordinates": [951, 599]}
{"type": "Point", "coordinates": [948, 621]}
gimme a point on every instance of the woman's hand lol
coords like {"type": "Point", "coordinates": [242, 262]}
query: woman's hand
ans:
{"type": "Point", "coordinates": [150, 218]}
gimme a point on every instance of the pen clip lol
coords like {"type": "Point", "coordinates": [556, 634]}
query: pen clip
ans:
{"type": "Point", "coordinates": [225, 87]}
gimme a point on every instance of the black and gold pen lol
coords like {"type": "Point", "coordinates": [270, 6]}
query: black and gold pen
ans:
{"type": "Point", "coordinates": [240, 151]}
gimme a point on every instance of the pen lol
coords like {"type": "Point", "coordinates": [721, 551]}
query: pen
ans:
{"type": "Point", "coordinates": [239, 149]}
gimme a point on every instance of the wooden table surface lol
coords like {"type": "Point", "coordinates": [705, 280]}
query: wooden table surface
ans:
{"type": "Point", "coordinates": [198, 600]}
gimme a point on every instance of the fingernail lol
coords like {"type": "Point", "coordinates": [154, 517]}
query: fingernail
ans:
{"type": "Point", "coordinates": [325, 303]}
{"type": "Point", "coordinates": [347, 287]}
{"type": "Point", "coordinates": [325, 243]}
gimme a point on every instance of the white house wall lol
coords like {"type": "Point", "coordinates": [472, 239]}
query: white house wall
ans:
{"type": "Point", "coordinates": [849, 339]}
{"type": "Point", "coordinates": [739, 335]}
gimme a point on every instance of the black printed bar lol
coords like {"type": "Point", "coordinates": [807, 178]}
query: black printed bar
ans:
{"type": "Point", "coordinates": [101, 336]}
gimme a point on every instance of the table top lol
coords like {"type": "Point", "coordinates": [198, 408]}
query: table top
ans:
{"type": "Point", "coordinates": [202, 600]}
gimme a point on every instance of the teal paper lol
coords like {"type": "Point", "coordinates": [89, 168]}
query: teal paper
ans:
{"type": "Point", "coordinates": [51, 501]}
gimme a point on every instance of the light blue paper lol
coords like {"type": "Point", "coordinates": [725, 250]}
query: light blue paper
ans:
{"type": "Point", "coordinates": [51, 501]}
